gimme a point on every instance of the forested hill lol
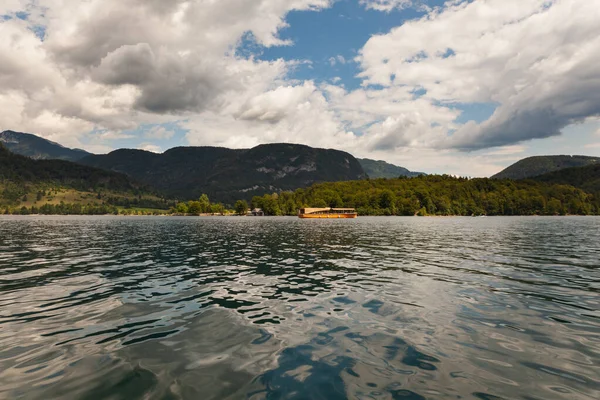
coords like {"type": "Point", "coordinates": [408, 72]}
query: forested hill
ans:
{"type": "Point", "coordinates": [56, 187]}
{"type": "Point", "coordinates": [38, 148]}
{"type": "Point", "coordinates": [380, 169]}
{"type": "Point", "coordinates": [436, 195]}
{"type": "Point", "coordinates": [16, 168]}
{"type": "Point", "coordinates": [586, 178]}
{"type": "Point", "coordinates": [226, 175]}
{"type": "Point", "coordinates": [539, 165]}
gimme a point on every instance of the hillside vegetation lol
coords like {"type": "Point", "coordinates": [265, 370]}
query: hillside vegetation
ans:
{"type": "Point", "coordinates": [586, 178]}
{"type": "Point", "coordinates": [25, 182]}
{"type": "Point", "coordinates": [539, 165]}
{"type": "Point", "coordinates": [436, 195]}
{"type": "Point", "coordinates": [380, 169]}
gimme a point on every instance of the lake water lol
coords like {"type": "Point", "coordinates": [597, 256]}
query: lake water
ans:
{"type": "Point", "coordinates": [283, 308]}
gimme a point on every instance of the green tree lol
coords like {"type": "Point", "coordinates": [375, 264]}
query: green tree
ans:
{"type": "Point", "coordinates": [270, 206]}
{"type": "Point", "coordinates": [217, 208]}
{"type": "Point", "coordinates": [204, 203]}
{"type": "Point", "coordinates": [195, 207]}
{"type": "Point", "coordinates": [241, 207]}
{"type": "Point", "coordinates": [554, 207]}
{"type": "Point", "coordinates": [387, 199]}
{"type": "Point", "coordinates": [181, 208]}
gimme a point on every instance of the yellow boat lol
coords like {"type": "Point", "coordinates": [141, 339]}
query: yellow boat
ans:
{"type": "Point", "coordinates": [327, 213]}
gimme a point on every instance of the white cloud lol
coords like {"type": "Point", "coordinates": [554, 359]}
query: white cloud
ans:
{"type": "Point", "coordinates": [150, 147]}
{"type": "Point", "coordinates": [339, 59]}
{"type": "Point", "coordinates": [535, 59]}
{"type": "Point", "coordinates": [293, 114]}
{"type": "Point", "coordinates": [506, 150]}
{"type": "Point", "coordinates": [159, 132]}
{"type": "Point", "coordinates": [108, 66]}
{"type": "Point", "coordinates": [114, 135]}
{"type": "Point", "coordinates": [8, 7]}
{"type": "Point", "coordinates": [118, 64]}
{"type": "Point", "coordinates": [387, 5]}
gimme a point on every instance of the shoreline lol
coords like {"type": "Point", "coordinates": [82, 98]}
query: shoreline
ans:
{"type": "Point", "coordinates": [288, 216]}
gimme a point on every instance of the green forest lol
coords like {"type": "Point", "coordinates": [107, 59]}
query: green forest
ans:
{"type": "Point", "coordinates": [421, 196]}
{"type": "Point", "coordinates": [436, 195]}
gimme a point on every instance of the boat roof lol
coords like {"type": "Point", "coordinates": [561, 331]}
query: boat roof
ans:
{"type": "Point", "coordinates": [312, 210]}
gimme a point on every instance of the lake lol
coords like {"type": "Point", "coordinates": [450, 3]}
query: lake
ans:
{"type": "Point", "coordinates": [283, 308]}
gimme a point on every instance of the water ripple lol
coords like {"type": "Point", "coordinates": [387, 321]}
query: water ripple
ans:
{"type": "Point", "coordinates": [281, 308]}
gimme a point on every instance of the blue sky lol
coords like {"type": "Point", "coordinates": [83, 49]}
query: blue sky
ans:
{"type": "Point", "coordinates": [460, 87]}
{"type": "Point", "coordinates": [337, 31]}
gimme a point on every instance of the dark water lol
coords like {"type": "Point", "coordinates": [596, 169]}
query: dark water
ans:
{"type": "Point", "coordinates": [282, 308]}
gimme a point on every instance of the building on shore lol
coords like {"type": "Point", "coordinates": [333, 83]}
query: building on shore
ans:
{"type": "Point", "coordinates": [256, 212]}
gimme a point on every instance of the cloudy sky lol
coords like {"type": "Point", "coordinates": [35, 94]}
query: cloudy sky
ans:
{"type": "Point", "coordinates": [460, 87]}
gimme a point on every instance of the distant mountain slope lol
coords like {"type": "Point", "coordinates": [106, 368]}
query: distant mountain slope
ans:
{"type": "Point", "coordinates": [64, 187]}
{"type": "Point", "coordinates": [380, 169]}
{"type": "Point", "coordinates": [38, 148]}
{"type": "Point", "coordinates": [226, 174]}
{"type": "Point", "coordinates": [539, 165]}
{"type": "Point", "coordinates": [18, 169]}
{"type": "Point", "coordinates": [586, 178]}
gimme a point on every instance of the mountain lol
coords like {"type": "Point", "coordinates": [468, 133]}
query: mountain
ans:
{"type": "Point", "coordinates": [539, 165]}
{"type": "Point", "coordinates": [38, 148]}
{"type": "Point", "coordinates": [28, 182]}
{"type": "Point", "coordinates": [227, 175]}
{"type": "Point", "coordinates": [380, 169]}
{"type": "Point", "coordinates": [20, 169]}
{"type": "Point", "coordinates": [586, 178]}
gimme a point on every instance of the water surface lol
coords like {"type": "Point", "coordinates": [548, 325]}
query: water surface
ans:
{"type": "Point", "coordinates": [282, 308]}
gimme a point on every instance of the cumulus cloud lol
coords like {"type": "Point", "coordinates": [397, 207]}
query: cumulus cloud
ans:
{"type": "Point", "coordinates": [339, 59]}
{"type": "Point", "coordinates": [118, 64]}
{"type": "Point", "coordinates": [159, 132]}
{"type": "Point", "coordinates": [506, 150]}
{"type": "Point", "coordinates": [293, 114]}
{"type": "Point", "coordinates": [87, 71]}
{"type": "Point", "coordinates": [536, 60]}
{"type": "Point", "coordinates": [113, 135]}
{"type": "Point", "coordinates": [387, 5]}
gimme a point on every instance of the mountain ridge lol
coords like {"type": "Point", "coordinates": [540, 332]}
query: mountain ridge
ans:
{"type": "Point", "coordinates": [230, 174]}
{"type": "Point", "coordinates": [376, 169]}
{"type": "Point", "coordinates": [226, 174]}
{"type": "Point", "coordinates": [67, 187]}
{"type": "Point", "coordinates": [538, 165]}
{"type": "Point", "coordinates": [38, 148]}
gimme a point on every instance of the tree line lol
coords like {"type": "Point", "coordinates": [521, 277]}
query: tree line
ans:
{"type": "Point", "coordinates": [198, 207]}
{"type": "Point", "coordinates": [435, 195]}
{"type": "Point", "coordinates": [423, 195]}
{"type": "Point", "coordinates": [64, 209]}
